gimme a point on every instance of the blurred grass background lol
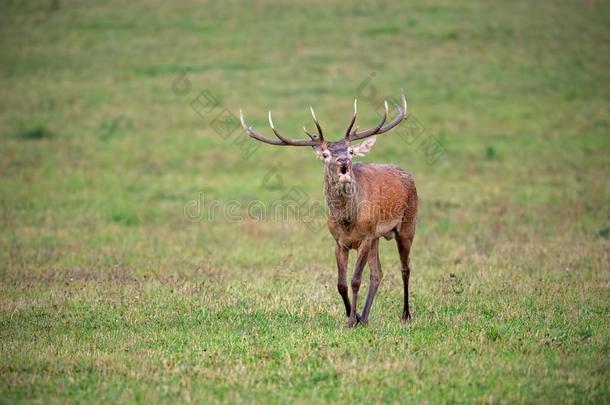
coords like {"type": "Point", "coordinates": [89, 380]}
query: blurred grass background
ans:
{"type": "Point", "coordinates": [109, 293]}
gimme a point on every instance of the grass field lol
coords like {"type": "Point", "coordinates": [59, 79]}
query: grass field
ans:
{"type": "Point", "coordinates": [117, 131]}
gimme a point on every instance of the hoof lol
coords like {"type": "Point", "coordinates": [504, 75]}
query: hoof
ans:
{"type": "Point", "coordinates": [406, 318]}
{"type": "Point", "coordinates": [353, 322]}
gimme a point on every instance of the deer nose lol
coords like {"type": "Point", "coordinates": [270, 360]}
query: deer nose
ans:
{"type": "Point", "coordinates": [342, 161]}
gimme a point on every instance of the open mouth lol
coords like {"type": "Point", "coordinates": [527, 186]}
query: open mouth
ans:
{"type": "Point", "coordinates": [344, 173]}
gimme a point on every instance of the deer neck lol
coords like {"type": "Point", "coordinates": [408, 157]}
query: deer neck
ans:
{"type": "Point", "coordinates": [342, 198]}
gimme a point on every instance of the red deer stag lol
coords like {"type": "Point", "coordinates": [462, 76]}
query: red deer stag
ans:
{"type": "Point", "coordinates": [366, 201]}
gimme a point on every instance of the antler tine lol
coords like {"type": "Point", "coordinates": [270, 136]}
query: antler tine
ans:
{"type": "Point", "coordinates": [313, 114]}
{"type": "Point", "coordinates": [309, 134]}
{"type": "Point", "coordinates": [281, 141]}
{"type": "Point", "coordinates": [402, 113]}
{"type": "Point", "coordinates": [351, 124]}
{"type": "Point", "coordinates": [280, 137]}
{"type": "Point", "coordinates": [254, 134]}
{"type": "Point", "coordinates": [369, 132]}
{"type": "Point", "coordinates": [380, 128]}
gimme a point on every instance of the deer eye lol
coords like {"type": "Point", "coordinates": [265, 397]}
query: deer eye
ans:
{"type": "Point", "coordinates": [325, 155]}
{"type": "Point", "coordinates": [351, 151]}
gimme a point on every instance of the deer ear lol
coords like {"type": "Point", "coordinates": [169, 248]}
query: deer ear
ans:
{"type": "Point", "coordinates": [318, 151]}
{"type": "Point", "coordinates": [365, 147]}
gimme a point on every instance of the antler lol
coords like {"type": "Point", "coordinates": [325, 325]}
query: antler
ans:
{"type": "Point", "coordinates": [379, 128]}
{"type": "Point", "coordinates": [313, 114]}
{"type": "Point", "coordinates": [350, 135]}
{"type": "Point", "coordinates": [282, 141]}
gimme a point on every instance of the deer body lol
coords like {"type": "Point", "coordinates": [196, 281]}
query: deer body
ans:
{"type": "Point", "coordinates": [374, 205]}
{"type": "Point", "coordinates": [366, 202]}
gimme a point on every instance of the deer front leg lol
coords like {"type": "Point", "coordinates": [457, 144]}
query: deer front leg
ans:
{"type": "Point", "coordinates": [342, 255]}
{"type": "Point", "coordinates": [363, 253]}
{"type": "Point", "coordinates": [376, 276]}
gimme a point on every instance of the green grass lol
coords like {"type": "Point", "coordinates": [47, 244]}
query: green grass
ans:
{"type": "Point", "coordinates": [109, 293]}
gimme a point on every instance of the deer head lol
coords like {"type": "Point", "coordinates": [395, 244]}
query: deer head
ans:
{"type": "Point", "coordinates": [336, 155]}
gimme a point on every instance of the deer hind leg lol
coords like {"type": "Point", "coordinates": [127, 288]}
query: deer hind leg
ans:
{"type": "Point", "coordinates": [376, 276]}
{"type": "Point", "coordinates": [363, 254]}
{"type": "Point", "coordinates": [342, 256]}
{"type": "Point", "coordinates": [404, 239]}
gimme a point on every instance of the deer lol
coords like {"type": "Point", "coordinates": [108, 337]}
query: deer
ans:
{"type": "Point", "coordinates": [366, 201]}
